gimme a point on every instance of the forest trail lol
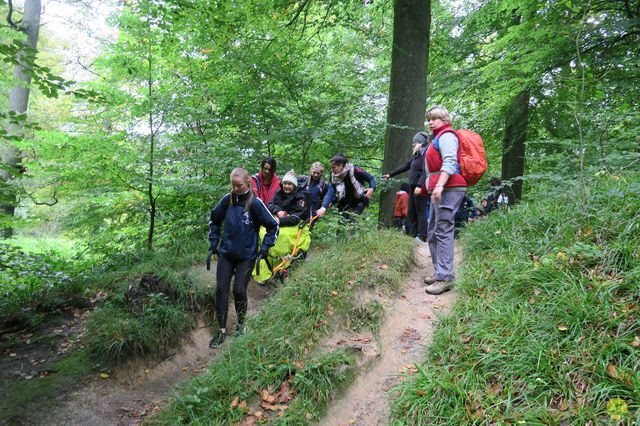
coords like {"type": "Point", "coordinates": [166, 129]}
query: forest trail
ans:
{"type": "Point", "coordinates": [136, 389]}
{"type": "Point", "coordinates": [405, 333]}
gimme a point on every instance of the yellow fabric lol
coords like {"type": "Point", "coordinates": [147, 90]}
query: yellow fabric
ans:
{"type": "Point", "coordinates": [284, 246]}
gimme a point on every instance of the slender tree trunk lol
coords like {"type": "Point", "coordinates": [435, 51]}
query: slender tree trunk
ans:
{"type": "Point", "coordinates": [408, 86]}
{"type": "Point", "coordinates": [152, 199]}
{"type": "Point", "coordinates": [18, 102]}
{"type": "Point", "coordinates": [514, 144]}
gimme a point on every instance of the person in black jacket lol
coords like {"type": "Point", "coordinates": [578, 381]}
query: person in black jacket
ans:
{"type": "Point", "coordinates": [417, 203]}
{"type": "Point", "coordinates": [347, 188]}
{"type": "Point", "coordinates": [290, 203]}
{"type": "Point", "coordinates": [242, 213]}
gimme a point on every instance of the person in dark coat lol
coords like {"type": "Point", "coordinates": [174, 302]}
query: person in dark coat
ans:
{"type": "Point", "coordinates": [347, 189]}
{"type": "Point", "coordinates": [418, 202]}
{"type": "Point", "coordinates": [242, 214]}
{"type": "Point", "coordinates": [289, 205]}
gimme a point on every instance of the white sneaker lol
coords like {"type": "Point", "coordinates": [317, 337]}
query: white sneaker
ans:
{"type": "Point", "coordinates": [419, 241]}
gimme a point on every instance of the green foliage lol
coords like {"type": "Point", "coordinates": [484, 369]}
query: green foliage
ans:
{"type": "Point", "coordinates": [38, 282]}
{"type": "Point", "coordinates": [546, 327]}
{"type": "Point", "coordinates": [281, 341]}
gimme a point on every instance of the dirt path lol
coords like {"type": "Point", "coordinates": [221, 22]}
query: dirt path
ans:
{"type": "Point", "coordinates": [136, 389]}
{"type": "Point", "coordinates": [405, 333]}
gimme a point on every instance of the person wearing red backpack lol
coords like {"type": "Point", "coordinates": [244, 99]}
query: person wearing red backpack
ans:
{"type": "Point", "coordinates": [447, 188]}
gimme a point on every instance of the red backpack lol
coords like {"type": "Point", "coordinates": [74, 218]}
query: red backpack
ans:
{"type": "Point", "coordinates": [471, 156]}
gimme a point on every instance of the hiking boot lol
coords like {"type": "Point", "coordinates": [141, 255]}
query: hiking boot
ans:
{"type": "Point", "coordinates": [240, 329]}
{"type": "Point", "coordinates": [439, 287]}
{"type": "Point", "coordinates": [218, 339]}
{"type": "Point", "coordinates": [430, 280]}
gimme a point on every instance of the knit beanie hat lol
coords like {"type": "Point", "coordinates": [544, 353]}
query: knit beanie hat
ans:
{"type": "Point", "coordinates": [291, 178]}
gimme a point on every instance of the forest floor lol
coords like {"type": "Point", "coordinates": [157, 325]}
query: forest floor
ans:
{"type": "Point", "coordinates": [127, 394]}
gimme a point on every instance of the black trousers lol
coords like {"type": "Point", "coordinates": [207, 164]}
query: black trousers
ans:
{"type": "Point", "coordinates": [418, 215]}
{"type": "Point", "coordinates": [242, 271]}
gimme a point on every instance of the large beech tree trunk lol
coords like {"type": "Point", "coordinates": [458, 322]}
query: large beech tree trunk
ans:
{"type": "Point", "coordinates": [18, 103]}
{"type": "Point", "coordinates": [408, 86]}
{"type": "Point", "coordinates": [514, 144]}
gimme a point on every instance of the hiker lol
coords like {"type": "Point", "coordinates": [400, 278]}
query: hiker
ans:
{"type": "Point", "coordinates": [347, 188]}
{"type": "Point", "coordinates": [497, 197]}
{"type": "Point", "coordinates": [401, 207]}
{"type": "Point", "coordinates": [315, 184]}
{"type": "Point", "coordinates": [447, 188]}
{"type": "Point", "coordinates": [266, 183]}
{"type": "Point", "coordinates": [417, 217]}
{"type": "Point", "coordinates": [242, 213]}
{"type": "Point", "coordinates": [289, 205]}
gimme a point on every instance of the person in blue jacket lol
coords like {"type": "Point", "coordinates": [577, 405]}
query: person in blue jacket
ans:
{"type": "Point", "coordinates": [347, 188]}
{"type": "Point", "coordinates": [242, 214]}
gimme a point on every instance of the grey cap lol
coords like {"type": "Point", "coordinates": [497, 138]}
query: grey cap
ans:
{"type": "Point", "coordinates": [420, 138]}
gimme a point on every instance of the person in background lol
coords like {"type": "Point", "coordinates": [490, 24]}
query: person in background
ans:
{"type": "Point", "coordinates": [242, 215]}
{"type": "Point", "coordinates": [447, 188]}
{"type": "Point", "coordinates": [347, 188]}
{"type": "Point", "coordinates": [289, 205]}
{"type": "Point", "coordinates": [315, 184]}
{"type": "Point", "coordinates": [466, 213]}
{"type": "Point", "coordinates": [266, 183]}
{"type": "Point", "coordinates": [401, 207]}
{"type": "Point", "coordinates": [417, 217]}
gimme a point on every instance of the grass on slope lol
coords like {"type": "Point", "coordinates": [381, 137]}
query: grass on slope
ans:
{"type": "Point", "coordinates": [279, 348]}
{"type": "Point", "coordinates": [546, 330]}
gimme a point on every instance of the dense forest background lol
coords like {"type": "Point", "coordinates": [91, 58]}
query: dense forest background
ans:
{"type": "Point", "coordinates": [134, 156]}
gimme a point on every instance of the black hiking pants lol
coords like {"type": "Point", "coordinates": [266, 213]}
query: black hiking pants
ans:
{"type": "Point", "coordinates": [242, 271]}
{"type": "Point", "coordinates": [418, 215]}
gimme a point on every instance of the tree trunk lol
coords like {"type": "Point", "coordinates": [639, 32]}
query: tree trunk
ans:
{"type": "Point", "coordinates": [514, 144]}
{"type": "Point", "coordinates": [152, 145]}
{"type": "Point", "coordinates": [407, 91]}
{"type": "Point", "coordinates": [18, 102]}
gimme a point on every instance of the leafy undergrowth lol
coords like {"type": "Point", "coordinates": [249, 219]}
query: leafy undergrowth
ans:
{"type": "Point", "coordinates": [546, 329]}
{"type": "Point", "coordinates": [32, 285]}
{"type": "Point", "coordinates": [274, 363]}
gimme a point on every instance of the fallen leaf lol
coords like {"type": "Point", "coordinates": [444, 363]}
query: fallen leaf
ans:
{"type": "Point", "coordinates": [420, 392]}
{"type": "Point", "coordinates": [562, 327]}
{"type": "Point", "coordinates": [636, 342]}
{"type": "Point", "coordinates": [309, 416]}
{"type": "Point", "coordinates": [104, 376]}
{"type": "Point", "coordinates": [13, 354]}
{"type": "Point", "coordinates": [497, 389]}
{"type": "Point", "coordinates": [243, 406]}
{"type": "Point", "coordinates": [334, 293]}
{"type": "Point", "coordinates": [384, 267]}
{"type": "Point", "coordinates": [258, 414]}
{"type": "Point", "coordinates": [564, 406]}
{"type": "Point", "coordinates": [465, 339]}
{"type": "Point", "coordinates": [612, 371]}
{"type": "Point", "coordinates": [235, 402]}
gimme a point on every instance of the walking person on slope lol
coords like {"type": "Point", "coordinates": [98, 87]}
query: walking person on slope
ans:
{"type": "Point", "coordinates": [447, 188]}
{"type": "Point", "coordinates": [417, 202]}
{"type": "Point", "coordinates": [243, 214]}
{"type": "Point", "coordinates": [347, 188]}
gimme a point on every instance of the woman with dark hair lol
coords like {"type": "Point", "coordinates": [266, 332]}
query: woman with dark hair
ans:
{"type": "Point", "coordinates": [242, 214]}
{"type": "Point", "coordinates": [266, 183]}
{"type": "Point", "coordinates": [418, 203]}
{"type": "Point", "coordinates": [347, 188]}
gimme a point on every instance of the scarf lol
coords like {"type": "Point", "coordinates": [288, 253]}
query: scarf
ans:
{"type": "Point", "coordinates": [339, 181]}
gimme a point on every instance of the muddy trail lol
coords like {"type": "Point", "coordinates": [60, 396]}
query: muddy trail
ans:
{"type": "Point", "coordinates": [129, 393]}
{"type": "Point", "coordinates": [135, 389]}
{"type": "Point", "coordinates": [404, 335]}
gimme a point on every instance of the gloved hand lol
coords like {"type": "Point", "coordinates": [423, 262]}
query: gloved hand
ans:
{"type": "Point", "coordinates": [263, 254]}
{"type": "Point", "coordinates": [213, 251]}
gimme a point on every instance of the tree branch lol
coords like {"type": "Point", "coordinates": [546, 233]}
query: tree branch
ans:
{"type": "Point", "coordinates": [12, 24]}
{"type": "Point", "coordinates": [298, 12]}
{"type": "Point", "coordinates": [43, 203]}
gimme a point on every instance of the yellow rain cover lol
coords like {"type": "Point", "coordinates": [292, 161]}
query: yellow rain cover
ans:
{"type": "Point", "coordinates": [284, 246]}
